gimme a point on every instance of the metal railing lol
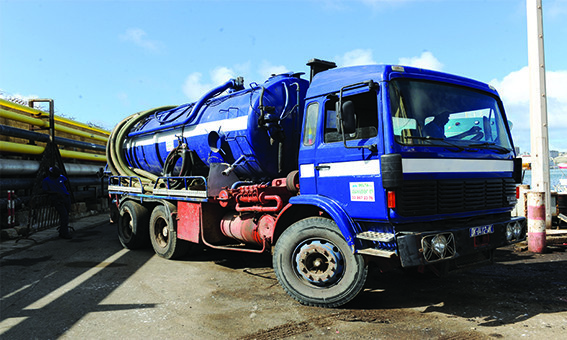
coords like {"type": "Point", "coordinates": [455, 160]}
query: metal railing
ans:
{"type": "Point", "coordinates": [41, 214]}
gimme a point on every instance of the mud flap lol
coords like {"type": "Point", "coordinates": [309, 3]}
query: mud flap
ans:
{"type": "Point", "coordinates": [408, 248]}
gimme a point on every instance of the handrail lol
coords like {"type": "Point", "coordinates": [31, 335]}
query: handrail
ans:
{"type": "Point", "coordinates": [37, 113]}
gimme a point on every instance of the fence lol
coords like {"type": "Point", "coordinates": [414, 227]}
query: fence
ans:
{"type": "Point", "coordinates": [41, 214]}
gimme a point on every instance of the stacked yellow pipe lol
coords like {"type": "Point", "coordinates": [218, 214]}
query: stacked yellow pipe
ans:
{"type": "Point", "coordinates": [39, 113]}
{"type": "Point", "coordinates": [22, 114]}
{"type": "Point", "coordinates": [42, 123]}
{"type": "Point", "coordinates": [38, 150]}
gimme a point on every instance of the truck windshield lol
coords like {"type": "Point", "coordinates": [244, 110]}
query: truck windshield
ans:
{"type": "Point", "coordinates": [437, 114]}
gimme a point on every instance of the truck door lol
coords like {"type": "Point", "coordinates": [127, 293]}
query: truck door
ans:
{"type": "Point", "coordinates": [351, 174]}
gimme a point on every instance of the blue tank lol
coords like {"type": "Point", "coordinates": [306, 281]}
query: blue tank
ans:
{"type": "Point", "coordinates": [256, 130]}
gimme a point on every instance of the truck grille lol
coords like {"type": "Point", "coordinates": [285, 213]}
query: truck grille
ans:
{"type": "Point", "coordinates": [417, 198]}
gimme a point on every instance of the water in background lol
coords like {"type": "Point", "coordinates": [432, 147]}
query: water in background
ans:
{"type": "Point", "coordinates": [554, 176]}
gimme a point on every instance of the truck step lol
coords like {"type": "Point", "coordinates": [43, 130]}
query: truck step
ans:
{"type": "Point", "coordinates": [239, 247]}
{"type": "Point", "coordinates": [377, 252]}
{"type": "Point", "coordinates": [375, 236]}
{"type": "Point", "coordinates": [181, 193]}
{"type": "Point", "coordinates": [119, 188]}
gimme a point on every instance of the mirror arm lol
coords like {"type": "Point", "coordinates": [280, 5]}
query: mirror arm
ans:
{"type": "Point", "coordinates": [371, 85]}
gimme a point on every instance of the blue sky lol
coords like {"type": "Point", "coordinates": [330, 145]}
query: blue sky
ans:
{"type": "Point", "coordinates": [104, 60]}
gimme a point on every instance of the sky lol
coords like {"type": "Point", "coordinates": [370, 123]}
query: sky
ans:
{"type": "Point", "coordinates": [102, 61]}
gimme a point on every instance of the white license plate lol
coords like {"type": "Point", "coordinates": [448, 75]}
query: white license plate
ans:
{"type": "Point", "coordinates": [477, 231]}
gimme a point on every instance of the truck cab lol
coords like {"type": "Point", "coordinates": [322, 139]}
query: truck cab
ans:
{"type": "Point", "coordinates": [413, 165]}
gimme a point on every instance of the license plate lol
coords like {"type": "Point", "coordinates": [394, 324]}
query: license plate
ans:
{"type": "Point", "coordinates": [477, 231]}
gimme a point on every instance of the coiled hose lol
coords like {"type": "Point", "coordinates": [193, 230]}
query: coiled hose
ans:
{"type": "Point", "coordinates": [114, 151]}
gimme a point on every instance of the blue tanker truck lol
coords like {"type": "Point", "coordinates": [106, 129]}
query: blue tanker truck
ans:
{"type": "Point", "coordinates": [400, 166]}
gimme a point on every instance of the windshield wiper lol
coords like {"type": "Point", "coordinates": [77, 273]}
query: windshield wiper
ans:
{"type": "Point", "coordinates": [429, 138]}
{"type": "Point", "coordinates": [493, 146]}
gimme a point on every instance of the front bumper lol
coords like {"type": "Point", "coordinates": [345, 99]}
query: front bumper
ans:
{"type": "Point", "coordinates": [458, 243]}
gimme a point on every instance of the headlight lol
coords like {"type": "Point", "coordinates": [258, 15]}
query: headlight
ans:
{"type": "Point", "coordinates": [438, 247]}
{"type": "Point", "coordinates": [514, 231]}
{"type": "Point", "coordinates": [509, 232]}
{"type": "Point", "coordinates": [439, 244]}
{"type": "Point", "coordinates": [517, 230]}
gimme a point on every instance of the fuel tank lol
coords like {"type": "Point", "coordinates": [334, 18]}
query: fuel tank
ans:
{"type": "Point", "coordinates": [256, 130]}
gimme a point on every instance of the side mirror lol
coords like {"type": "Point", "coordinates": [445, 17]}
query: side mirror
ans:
{"type": "Point", "coordinates": [348, 117]}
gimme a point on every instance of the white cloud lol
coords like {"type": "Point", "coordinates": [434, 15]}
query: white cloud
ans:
{"type": "Point", "coordinates": [356, 57]}
{"type": "Point", "coordinates": [514, 87]}
{"type": "Point", "coordinates": [221, 75]}
{"type": "Point", "coordinates": [557, 86]}
{"type": "Point", "coordinates": [515, 92]}
{"type": "Point", "coordinates": [267, 69]}
{"type": "Point", "coordinates": [195, 87]}
{"type": "Point", "coordinates": [426, 60]}
{"type": "Point", "coordinates": [137, 36]}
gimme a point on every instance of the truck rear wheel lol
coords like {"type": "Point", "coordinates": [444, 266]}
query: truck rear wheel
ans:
{"type": "Point", "coordinates": [133, 225]}
{"type": "Point", "coordinates": [315, 265]}
{"type": "Point", "coordinates": [163, 234]}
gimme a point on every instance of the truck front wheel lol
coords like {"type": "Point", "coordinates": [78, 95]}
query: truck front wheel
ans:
{"type": "Point", "coordinates": [315, 265]}
{"type": "Point", "coordinates": [133, 225]}
{"type": "Point", "coordinates": [163, 234]}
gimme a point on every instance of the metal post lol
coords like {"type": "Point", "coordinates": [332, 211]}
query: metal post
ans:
{"type": "Point", "coordinates": [51, 114]}
{"type": "Point", "coordinates": [11, 208]}
{"type": "Point", "coordinates": [538, 105]}
{"type": "Point", "coordinates": [536, 222]}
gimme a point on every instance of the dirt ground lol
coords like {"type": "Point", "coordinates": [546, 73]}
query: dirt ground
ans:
{"type": "Point", "coordinates": [521, 295]}
{"type": "Point", "coordinates": [91, 288]}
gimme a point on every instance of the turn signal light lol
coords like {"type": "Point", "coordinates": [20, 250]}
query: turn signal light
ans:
{"type": "Point", "coordinates": [391, 199]}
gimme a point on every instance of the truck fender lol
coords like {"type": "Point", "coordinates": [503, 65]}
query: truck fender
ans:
{"type": "Point", "coordinates": [304, 206]}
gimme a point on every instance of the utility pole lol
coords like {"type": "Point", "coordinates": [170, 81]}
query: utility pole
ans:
{"type": "Point", "coordinates": [538, 105]}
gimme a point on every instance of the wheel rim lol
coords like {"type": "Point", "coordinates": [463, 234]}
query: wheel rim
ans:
{"type": "Point", "coordinates": [319, 262]}
{"type": "Point", "coordinates": [161, 232]}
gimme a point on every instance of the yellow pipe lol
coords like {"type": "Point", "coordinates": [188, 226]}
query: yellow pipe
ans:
{"type": "Point", "coordinates": [42, 123]}
{"type": "Point", "coordinates": [39, 113]}
{"type": "Point", "coordinates": [38, 150]}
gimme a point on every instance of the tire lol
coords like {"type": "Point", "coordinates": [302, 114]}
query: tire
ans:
{"type": "Point", "coordinates": [315, 265]}
{"type": "Point", "coordinates": [133, 225]}
{"type": "Point", "coordinates": [163, 234]}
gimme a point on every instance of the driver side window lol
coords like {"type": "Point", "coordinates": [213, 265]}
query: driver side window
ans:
{"type": "Point", "coordinates": [366, 116]}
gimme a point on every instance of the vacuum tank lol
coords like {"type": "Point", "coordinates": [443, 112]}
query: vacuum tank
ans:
{"type": "Point", "coordinates": [256, 131]}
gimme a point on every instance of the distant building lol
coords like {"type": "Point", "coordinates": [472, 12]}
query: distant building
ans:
{"type": "Point", "coordinates": [553, 153]}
